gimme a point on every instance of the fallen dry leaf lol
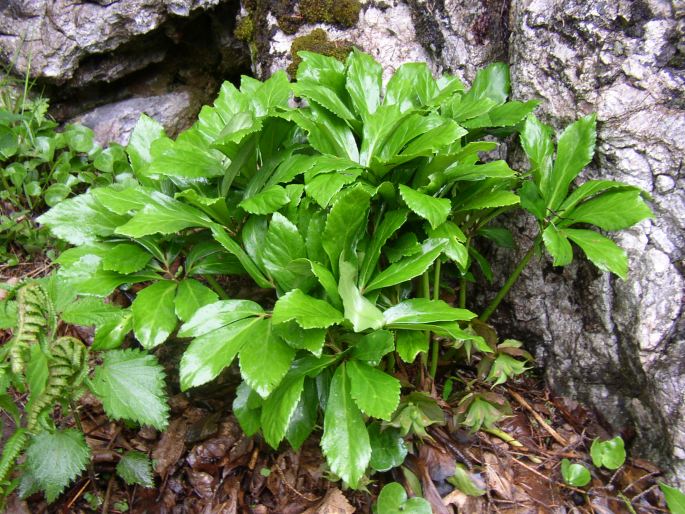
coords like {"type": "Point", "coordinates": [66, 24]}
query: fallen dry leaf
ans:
{"type": "Point", "coordinates": [171, 446]}
{"type": "Point", "coordinates": [333, 503]}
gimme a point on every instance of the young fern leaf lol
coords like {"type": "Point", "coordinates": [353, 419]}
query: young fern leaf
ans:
{"type": "Point", "coordinates": [36, 318]}
{"type": "Point", "coordinates": [13, 447]}
{"type": "Point", "coordinates": [66, 369]}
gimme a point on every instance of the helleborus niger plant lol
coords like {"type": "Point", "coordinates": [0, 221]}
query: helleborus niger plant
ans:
{"type": "Point", "coordinates": [351, 201]}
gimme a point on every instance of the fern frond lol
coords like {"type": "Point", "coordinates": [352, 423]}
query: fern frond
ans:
{"type": "Point", "coordinates": [13, 448]}
{"type": "Point", "coordinates": [67, 367]}
{"type": "Point", "coordinates": [36, 320]}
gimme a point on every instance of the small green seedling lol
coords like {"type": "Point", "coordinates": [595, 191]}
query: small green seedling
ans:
{"type": "Point", "coordinates": [611, 454]}
{"type": "Point", "coordinates": [393, 499]}
{"type": "Point", "coordinates": [576, 475]}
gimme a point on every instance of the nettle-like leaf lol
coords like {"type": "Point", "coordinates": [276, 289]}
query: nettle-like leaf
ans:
{"type": "Point", "coordinates": [136, 469]}
{"type": "Point", "coordinates": [55, 459]}
{"type": "Point", "coordinates": [130, 384]}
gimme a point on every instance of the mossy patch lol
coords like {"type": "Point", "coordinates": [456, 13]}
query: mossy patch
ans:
{"type": "Point", "coordinates": [342, 12]}
{"type": "Point", "coordinates": [244, 29]}
{"type": "Point", "coordinates": [317, 41]}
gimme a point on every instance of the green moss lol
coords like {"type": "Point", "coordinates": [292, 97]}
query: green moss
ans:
{"type": "Point", "coordinates": [244, 30]}
{"type": "Point", "coordinates": [342, 12]}
{"type": "Point", "coordinates": [317, 41]}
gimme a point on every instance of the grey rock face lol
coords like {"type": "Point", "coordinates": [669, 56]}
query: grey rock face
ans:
{"type": "Point", "coordinates": [58, 35]}
{"type": "Point", "coordinates": [618, 346]}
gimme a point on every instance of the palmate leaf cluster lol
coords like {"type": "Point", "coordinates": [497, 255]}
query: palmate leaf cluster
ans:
{"type": "Point", "coordinates": [340, 205]}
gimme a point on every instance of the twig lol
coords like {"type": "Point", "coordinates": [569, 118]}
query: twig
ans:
{"type": "Point", "coordinates": [105, 503]}
{"type": "Point", "coordinates": [78, 494]}
{"type": "Point", "coordinates": [557, 437]}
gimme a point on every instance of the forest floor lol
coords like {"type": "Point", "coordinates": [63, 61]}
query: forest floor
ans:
{"type": "Point", "coordinates": [203, 463]}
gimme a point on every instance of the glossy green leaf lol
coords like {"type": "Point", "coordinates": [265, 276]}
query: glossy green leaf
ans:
{"type": "Point", "coordinates": [345, 441]}
{"type": "Point", "coordinates": [283, 245]}
{"type": "Point", "coordinates": [163, 215]}
{"type": "Point", "coordinates": [192, 295]}
{"type": "Point", "coordinates": [328, 282]}
{"type": "Point", "coordinates": [55, 459]}
{"type": "Point", "coordinates": [247, 407]}
{"type": "Point", "coordinates": [324, 187]}
{"type": "Point", "coordinates": [279, 407]}
{"type": "Point", "coordinates": [125, 258]}
{"type": "Point", "coordinates": [234, 248]}
{"type": "Point", "coordinates": [422, 310]}
{"type": "Point", "coordinates": [184, 159]}
{"type": "Point", "coordinates": [376, 393]}
{"type": "Point", "coordinates": [154, 314]}
{"type": "Point", "coordinates": [264, 342]}
{"type": "Point", "coordinates": [136, 469]}
{"type": "Point", "coordinates": [532, 201]}
{"type": "Point", "coordinates": [412, 85]}
{"type": "Point", "coordinates": [359, 310]}
{"type": "Point", "coordinates": [557, 245]}
{"type": "Point", "coordinates": [408, 268]}
{"type": "Point", "coordinates": [434, 210]}
{"type": "Point", "coordinates": [307, 311]}
{"type": "Point", "coordinates": [611, 211]}
{"type": "Point", "coordinates": [536, 140]}
{"type": "Point", "coordinates": [575, 148]}
{"type": "Point", "coordinates": [267, 201]}
{"type": "Point", "coordinates": [611, 454]}
{"type": "Point", "coordinates": [463, 480]}
{"type": "Point", "coordinates": [505, 115]}
{"type": "Point", "coordinates": [576, 475]}
{"type": "Point", "coordinates": [675, 499]}
{"type": "Point", "coordinates": [130, 384]}
{"type": "Point", "coordinates": [388, 449]}
{"type": "Point", "coordinates": [90, 311]}
{"type": "Point", "coordinates": [602, 251]}
{"type": "Point", "coordinates": [110, 334]}
{"type": "Point", "coordinates": [81, 220]}
{"type": "Point", "coordinates": [218, 315]}
{"type": "Point", "coordinates": [372, 347]}
{"type": "Point", "coordinates": [393, 499]}
{"type": "Point", "coordinates": [303, 419]}
{"type": "Point", "coordinates": [345, 223]}
{"type": "Point", "coordinates": [144, 133]}
{"type": "Point", "coordinates": [455, 248]}
{"type": "Point", "coordinates": [364, 82]}
{"type": "Point", "coordinates": [56, 193]}
{"type": "Point", "coordinates": [410, 343]}
{"type": "Point", "coordinates": [298, 338]}
{"type": "Point", "coordinates": [491, 82]}
{"type": "Point", "coordinates": [391, 223]}
{"type": "Point", "coordinates": [209, 354]}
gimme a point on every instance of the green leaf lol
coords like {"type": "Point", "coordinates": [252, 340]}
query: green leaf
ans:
{"type": "Point", "coordinates": [324, 187]}
{"type": "Point", "coordinates": [325, 97]}
{"type": "Point", "coordinates": [279, 407]}
{"type": "Point", "coordinates": [611, 211]}
{"type": "Point", "coordinates": [303, 419]}
{"type": "Point", "coordinates": [410, 343]}
{"type": "Point", "coordinates": [454, 249]}
{"type": "Point", "coordinates": [412, 85]}
{"type": "Point", "coordinates": [183, 158]}
{"type": "Point", "coordinates": [345, 223]}
{"type": "Point", "coordinates": [376, 393]}
{"type": "Point", "coordinates": [408, 268]}
{"type": "Point", "coordinates": [592, 188]}
{"type": "Point", "coordinates": [130, 384]}
{"type": "Point", "coordinates": [372, 347]}
{"type": "Point", "coordinates": [536, 140]}
{"type": "Point", "coordinates": [164, 215]}
{"type": "Point", "coordinates": [90, 311]}
{"type": "Point", "coordinates": [345, 441]}
{"type": "Point", "coordinates": [611, 454]}
{"type": "Point", "coordinates": [575, 149]}
{"type": "Point", "coordinates": [489, 200]}
{"type": "Point", "coordinates": [264, 342]}
{"type": "Point", "coordinates": [247, 407]}
{"type": "Point", "coordinates": [532, 201]}
{"type": "Point", "coordinates": [36, 371]}
{"type": "Point", "coordinates": [144, 133]}
{"type": "Point", "coordinates": [434, 210]}
{"type": "Point", "coordinates": [234, 248]}
{"type": "Point", "coordinates": [154, 314]}
{"type": "Point", "coordinates": [576, 475]}
{"type": "Point", "coordinates": [391, 223]}
{"type": "Point", "coordinates": [327, 281]}
{"type": "Point", "coordinates": [388, 449]}
{"type": "Point", "coordinates": [505, 115]}
{"type": "Point", "coordinates": [111, 334]}
{"type": "Point", "coordinates": [422, 310]}
{"type": "Point", "coordinates": [307, 311]}
{"type": "Point", "coordinates": [81, 220]}
{"type": "Point", "coordinates": [393, 499]}
{"type": "Point", "coordinates": [274, 92]}
{"type": "Point", "coordinates": [675, 499]}
{"type": "Point", "coordinates": [491, 82]}
{"type": "Point", "coordinates": [359, 310]}
{"type": "Point", "coordinates": [298, 338]}
{"type": "Point", "coordinates": [602, 251]}
{"type": "Point", "coordinates": [283, 245]}
{"type": "Point", "coordinates": [210, 353]}
{"type": "Point", "coordinates": [463, 481]}
{"type": "Point", "coordinates": [218, 315]}
{"type": "Point", "coordinates": [363, 82]}
{"type": "Point", "coordinates": [266, 202]}
{"type": "Point", "coordinates": [557, 245]}
{"type": "Point", "coordinates": [56, 193]}
{"type": "Point", "coordinates": [125, 258]}
{"type": "Point", "coordinates": [136, 469]}
{"type": "Point", "coordinates": [55, 459]}
{"type": "Point", "coordinates": [192, 295]}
